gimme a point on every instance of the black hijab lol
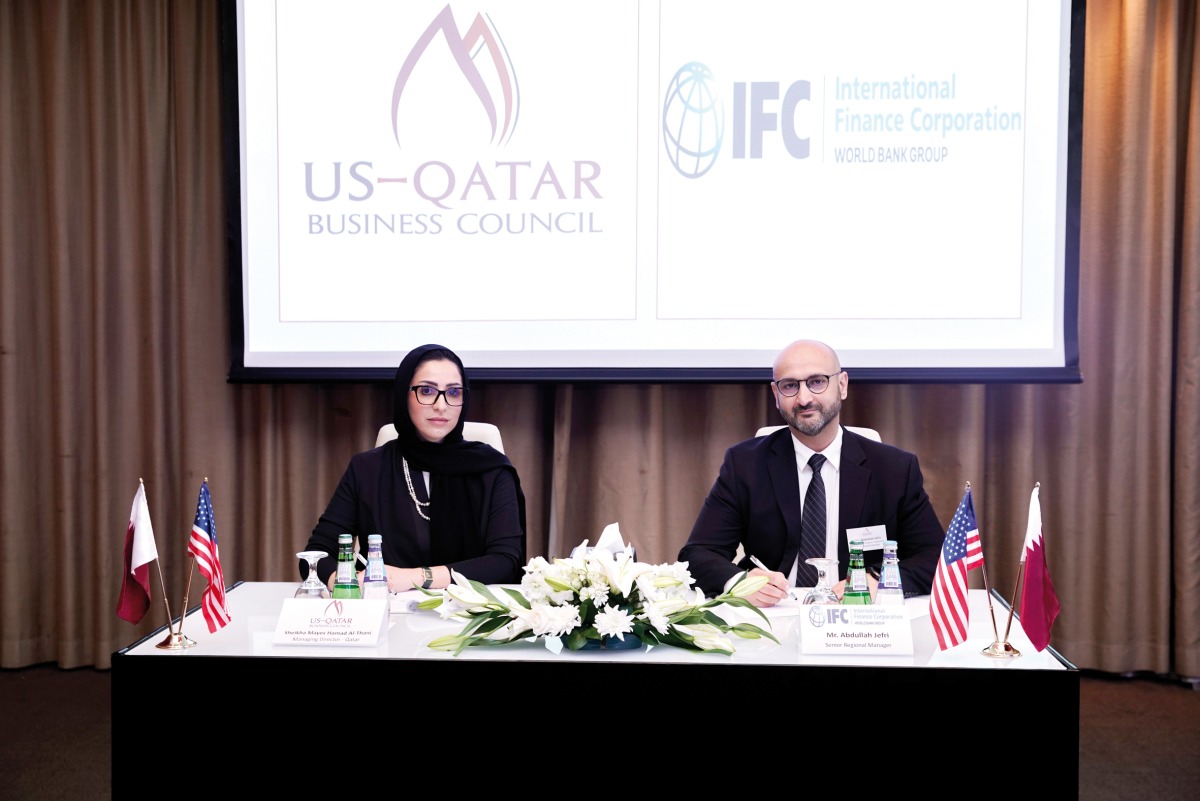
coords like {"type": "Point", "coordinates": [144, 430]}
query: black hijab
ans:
{"type": "Point", "coordinates": [461, 471]}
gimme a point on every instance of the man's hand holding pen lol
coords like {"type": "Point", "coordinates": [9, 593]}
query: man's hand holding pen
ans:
{"type": "Point", "coordinates": [775, 590]}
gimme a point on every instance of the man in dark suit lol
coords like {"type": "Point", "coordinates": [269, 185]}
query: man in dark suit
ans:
{"type": "Point", "coordinates": [873, 492]}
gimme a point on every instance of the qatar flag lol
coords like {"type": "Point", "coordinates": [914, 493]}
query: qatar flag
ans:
{"type": "Point", "coordinates": [140, 551]}
{"type": "Point", "coordinates": [1039, 602]}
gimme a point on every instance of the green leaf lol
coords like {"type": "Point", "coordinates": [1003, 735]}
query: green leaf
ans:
{"type": "Point", "coordinates": [518, 597]}
{"type": "Point", "coordinates": [749, 631]}
{"type": "Point", "coordinates": [713, 619]}
{"type": "Point", "coordinates": [491, 624]}
{"type": "Point", "coordinates": [485, 622]}
{"type": "Point", "coordinates": [673, 639]}
{"type": "Point", "coordinates": [688, 616]}
{"type": "Point", "coordinates": [733, 600]}
{"type": "Point", "coordinates": [483, 590]}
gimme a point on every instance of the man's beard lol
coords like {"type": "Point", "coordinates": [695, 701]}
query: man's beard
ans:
{"type": "Point", "coordinates": [810, 428]}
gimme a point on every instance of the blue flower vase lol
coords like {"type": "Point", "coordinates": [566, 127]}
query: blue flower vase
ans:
{"type": "Point", "coordinates": [631, 642]}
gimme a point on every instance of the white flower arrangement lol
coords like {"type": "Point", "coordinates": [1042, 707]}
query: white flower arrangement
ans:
{"type": "Point", "coordinates": [599, 598]}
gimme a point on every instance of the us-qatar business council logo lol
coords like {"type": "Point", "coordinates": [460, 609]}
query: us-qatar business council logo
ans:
{"type": "Point", "coordinates": [524, 187]}
{"type": "Point", "coordinates": [481, 38]}
{"type": "Point", "coordinates": [694, 126]}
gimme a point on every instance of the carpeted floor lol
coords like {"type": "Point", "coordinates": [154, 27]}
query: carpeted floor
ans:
{"type": "Point", "coordinates": [1139, 737]}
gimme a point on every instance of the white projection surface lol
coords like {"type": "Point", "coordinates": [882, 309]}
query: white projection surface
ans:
{"type": "Point", "coordinates": [652, 190]}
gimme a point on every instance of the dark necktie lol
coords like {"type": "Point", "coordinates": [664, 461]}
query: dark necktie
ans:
{"type": "Point", "coordinates": [812, 525]}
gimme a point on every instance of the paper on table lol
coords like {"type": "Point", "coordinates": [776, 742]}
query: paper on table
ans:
{"type": "Point", "coordinates": [406, 602]}
{"type": "Point", "coordinates": [610, 539]}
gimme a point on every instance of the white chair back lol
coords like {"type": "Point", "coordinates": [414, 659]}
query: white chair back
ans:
{"type": "Point", "coordinates": [476, 432]}
{"type": "Point", "coordinates": [869, 433]}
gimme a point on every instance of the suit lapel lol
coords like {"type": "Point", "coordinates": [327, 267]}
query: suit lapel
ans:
{"type": "Point", "coordinates": [781, 469]}
{"type": "Point", "coordinates": [852, 490]}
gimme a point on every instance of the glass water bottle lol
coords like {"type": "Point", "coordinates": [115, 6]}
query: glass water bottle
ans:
{"type": "Point", "coordinates": [346, 584]}
{"type": "Point", "coordinates": [857, 591]}
{"type": "Point", "coordinates": [889, 590]}
{"type": "Point", "coordinates": [374, 583]}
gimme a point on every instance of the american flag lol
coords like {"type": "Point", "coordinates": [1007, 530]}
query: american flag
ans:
{"type": "Point", "coordinates": [961, 551]}
{"type": "Point", "coordinates": [203, 545]}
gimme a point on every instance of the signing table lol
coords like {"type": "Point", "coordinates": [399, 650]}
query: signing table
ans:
{"type": "Point", "coordinates": [938, 709]}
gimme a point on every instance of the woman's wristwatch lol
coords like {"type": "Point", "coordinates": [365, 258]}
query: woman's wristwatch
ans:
{"type": "Point", "coordinates": [427, 575]}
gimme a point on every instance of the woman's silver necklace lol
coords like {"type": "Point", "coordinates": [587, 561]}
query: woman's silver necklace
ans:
{"type": "Point", "coordinates": [411, 492]}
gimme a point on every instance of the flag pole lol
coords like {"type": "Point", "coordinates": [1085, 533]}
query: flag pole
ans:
{"type": "Point", "coordinates": [986, 587]}
{"type": "Point", "coordinates": [1007, 650]}
{"type": "Point", "coordinates": [176, 641]}
{"type": "Point", "coordinates": [1002, 650]}
{"type": "Point", "coordinates": [1020, 572]}
{"type": "Point", "coordinates": [1016, 586]}
{"type": "Point", "coordinates": [162, 586]}
{"type": "Point", "coordinates": [187, 588]}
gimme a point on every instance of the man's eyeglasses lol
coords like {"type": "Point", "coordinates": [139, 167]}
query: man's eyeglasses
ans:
{"type": "Point", "coordinates": [816, 384]}
{"type": "Point", "coordinates": [427, 395]}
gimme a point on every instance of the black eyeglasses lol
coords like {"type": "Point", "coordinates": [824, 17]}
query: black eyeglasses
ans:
{"type": "Point", "coordinates": [816, 384]}
{"type": "Point", "coordinates": [427, 395]}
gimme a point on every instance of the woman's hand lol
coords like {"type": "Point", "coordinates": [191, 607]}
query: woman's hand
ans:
{"type": "Point", "coordinates": [403, 579]}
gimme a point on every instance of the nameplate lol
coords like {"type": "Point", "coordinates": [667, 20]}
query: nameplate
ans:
{"type": "Point", "coordinates": [861, 630]}
{"type": "Point", "coordinates": [336, 621]}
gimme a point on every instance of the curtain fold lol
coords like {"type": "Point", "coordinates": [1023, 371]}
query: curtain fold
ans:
{"type": "Point", "coordinates": [114, 353]}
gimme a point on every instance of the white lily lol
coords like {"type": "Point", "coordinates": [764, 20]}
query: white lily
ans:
{"type": "Point", "coordinates": [462, 592]}
{"type": "Point", "coordinates": [658, 613]}
{"type": "Point", "coordinates": [749, 585]}
{"type": "Point", "coordinates": [706, 637]}
{"type": "Point", "coordinates": [619, 570]}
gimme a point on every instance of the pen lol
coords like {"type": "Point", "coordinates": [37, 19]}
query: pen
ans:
{"type": "Point", "coordinates": [759, 564]}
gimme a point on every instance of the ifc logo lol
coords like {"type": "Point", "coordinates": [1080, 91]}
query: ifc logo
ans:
{"type": "Point", "coordinates": [693, 121]}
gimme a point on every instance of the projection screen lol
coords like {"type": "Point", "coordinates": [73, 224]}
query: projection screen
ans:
{"type": "Point", "coordinates": [654, 191]}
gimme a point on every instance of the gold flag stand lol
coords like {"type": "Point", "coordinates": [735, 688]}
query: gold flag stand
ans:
{"type": "Point", "coordinates": [1001, 650]}
{"type": "Point", "coordinates": [998, 649]}
{"type": "Point", "coordinates": [1005, 650]}
{"type": "Point", "coordinates": [176, 640]}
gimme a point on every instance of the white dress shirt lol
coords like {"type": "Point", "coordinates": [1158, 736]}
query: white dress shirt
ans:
{"type": "Point", "coordinates": [829, 474]}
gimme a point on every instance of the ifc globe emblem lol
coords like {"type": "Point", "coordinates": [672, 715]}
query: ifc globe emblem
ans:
{"type": "Point", "coordinates": [693, 122]}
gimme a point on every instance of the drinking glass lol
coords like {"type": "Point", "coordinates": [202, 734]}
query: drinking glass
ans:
{"type": "Point", "coordinates": [312, 587]}
{"type": "Point", "coordinates": [822, 593]}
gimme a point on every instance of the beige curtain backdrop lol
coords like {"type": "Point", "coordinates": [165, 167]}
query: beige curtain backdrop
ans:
{"type": "Point", "coordinates": [114, 352]}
